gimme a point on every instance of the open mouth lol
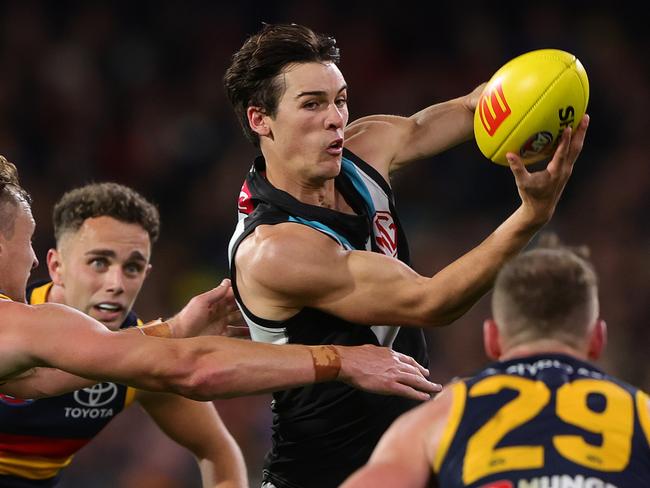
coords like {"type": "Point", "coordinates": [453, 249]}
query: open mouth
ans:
{"type": "Point", "coordinates": [336, 146]}
{"type": "Point", "coordinates": [108, 309]}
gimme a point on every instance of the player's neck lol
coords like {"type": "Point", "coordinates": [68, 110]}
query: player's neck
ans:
{"type": "Point", "coordinates": [542, 347]}
{"type": "Point", "coordinates": [319, 192]}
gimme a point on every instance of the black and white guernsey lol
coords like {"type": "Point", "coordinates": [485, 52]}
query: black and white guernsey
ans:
{"type": "Point", "coordinates": [323, 432]}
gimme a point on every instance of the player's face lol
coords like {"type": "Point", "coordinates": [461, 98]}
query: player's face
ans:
{"type": "Point", "coordinates": [17, 257]}
{"type": "Point", "coordinates": [102, 267]}
{"type": "Point", "coordinates": [307, 130]}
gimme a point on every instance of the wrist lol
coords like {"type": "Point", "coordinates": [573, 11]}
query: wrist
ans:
{"type": "Point", "coordinates": [327, 363]}
{"type": "Point", "coordinates": [157, 328]}
{"type": "Point", "coordinates": [531, 220]}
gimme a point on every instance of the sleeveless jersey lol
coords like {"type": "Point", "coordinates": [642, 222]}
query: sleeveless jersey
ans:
{"type": "Point", "coordinates": [323, 432]}
{"type": "Point", "coordinates": [38, 438]}
{"type": "Point", "coordinates": [548, 421]}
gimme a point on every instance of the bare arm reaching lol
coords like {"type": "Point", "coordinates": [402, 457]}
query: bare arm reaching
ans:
{"type": "Point", "coordinates": [389, 142]}
{"type": "Point", "coordinates": [200, 368]}
{"type": "Point", "coordinates": [198, 427]}
{"type": "Point", "coordinates": [373, 289]}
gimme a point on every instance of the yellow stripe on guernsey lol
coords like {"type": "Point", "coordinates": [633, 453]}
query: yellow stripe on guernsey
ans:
{"type": "Point", "coordinates": [642, 406]}
{"type": "Point", "coordinates": [33, 468]}
{"type": "Point", "coordinates": [5, 297]}
{"type": "Point", "coordinates": [39, 294]}
{"type": "Point", "coordinates": [459, 393]}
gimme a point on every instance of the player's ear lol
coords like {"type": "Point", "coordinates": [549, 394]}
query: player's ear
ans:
{"type": "Point", "coordinates": [597, 340]}
{"type": "Point", "coordinates": [258, 121]}
{"type": "Point", "coordinates": [54, 266]}
{"type": "Point", "coordinates": [491, 339]}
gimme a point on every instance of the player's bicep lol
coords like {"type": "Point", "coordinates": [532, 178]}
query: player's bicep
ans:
{"type": "Point", "coordinates": [372, 288]}
{"type": "Point", "coordinates": [288, 265]}
{"type": "Point", "coordinates": [69, 340]}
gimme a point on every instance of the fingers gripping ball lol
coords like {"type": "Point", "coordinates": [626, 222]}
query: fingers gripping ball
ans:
{"type": "Point", "coordinates": [527, 104]}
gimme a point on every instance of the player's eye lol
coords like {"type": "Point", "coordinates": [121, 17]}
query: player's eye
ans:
{"type": "Point", "coordinates": [98, 264]}
{"type": "Point", "coordinates": [133, 269]}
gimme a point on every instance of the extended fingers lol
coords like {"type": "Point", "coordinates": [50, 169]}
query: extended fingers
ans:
{"type": "Point", "coordinates": [415, 387]}
{"type": "Point", "coordinates": [517, 166]}
{"type": "Point", "coordinates": [578, 137]}
{"type": "Point", "coordinates": [412, 362]}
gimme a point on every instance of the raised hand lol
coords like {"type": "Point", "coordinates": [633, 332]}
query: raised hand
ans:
{"type": "Point", "coordinates": [471, 99]}
{"type": "Point", "coordinates": [210, 313]}
{"type": "Point", "coordinates": [541, 190]}
{"type": "Point", "coordinates": [382, 370]}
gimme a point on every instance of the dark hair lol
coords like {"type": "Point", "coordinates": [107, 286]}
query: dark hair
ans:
{"type": "Point", "coordinates": [549, 292]}
{"type": "Point", "coordinates": [11, 194]}
{"type": "Point", "coordinates": [252, 77]}
{"type": "Point", "coordinates": [104, 200]}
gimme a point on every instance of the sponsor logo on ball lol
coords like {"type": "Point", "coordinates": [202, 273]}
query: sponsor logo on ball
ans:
{"type": "Point", "coordinates": [493, 108]}
{"type": "Point", "coordinates": [538, 143]}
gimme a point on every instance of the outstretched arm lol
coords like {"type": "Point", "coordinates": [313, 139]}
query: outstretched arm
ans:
{"type": "Point", "coordinates": [200, 368]}
{"type": "Point", "coordinates": [369, 288]}
{"type": "Point", "coordinates": [212, 312]}
{"type": "Point", "coordinates": [198, 427]}
{"type": "Point", "coordinates": [388, 142]}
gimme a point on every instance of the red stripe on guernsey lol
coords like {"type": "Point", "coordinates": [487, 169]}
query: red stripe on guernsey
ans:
{"type": "Point", "coordinates": [28, 445]}
{"type": "Point", "coordinates": [244, 202]}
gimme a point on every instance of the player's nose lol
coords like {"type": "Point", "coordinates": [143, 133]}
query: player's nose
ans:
{"type": "Point", "coordinates": [114, 280]}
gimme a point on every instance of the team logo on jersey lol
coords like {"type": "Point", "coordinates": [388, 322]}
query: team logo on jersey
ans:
{"type": "Point", "coordinates": [15, 402]}
{"type": "Point", "coordinates": [96, 395]}
{"type": "Point", "coordinates": [244, 202]}
{"type": "Point", "coordinates": [385, 233]}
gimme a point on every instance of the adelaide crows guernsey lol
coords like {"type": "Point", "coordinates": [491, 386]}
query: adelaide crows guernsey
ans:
{"type": "Point", "coordinates": [548, 421]}
{"type": "Point", "coordinates": [39, 437]}
{"type": "Point", "coordinates": [323, 432]}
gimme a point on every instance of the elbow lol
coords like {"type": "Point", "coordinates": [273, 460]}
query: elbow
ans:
{"type": "Point", "coordinates": [434, 311]}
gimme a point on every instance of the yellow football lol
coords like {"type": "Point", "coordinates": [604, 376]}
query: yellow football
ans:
{"type": "Point", "coordinates": [527, 104]}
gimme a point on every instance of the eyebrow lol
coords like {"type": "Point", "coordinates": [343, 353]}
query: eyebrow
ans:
{"type": "Point", "coordinates": [135, 255]}
{"type": "Point", "coordinates": [319, 93]}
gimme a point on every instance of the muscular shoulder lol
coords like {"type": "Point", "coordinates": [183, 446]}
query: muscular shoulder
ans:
{"type": "Point", "coordinates": [285, 257]}
{"type": "Point", "coordinates": [376, 139]}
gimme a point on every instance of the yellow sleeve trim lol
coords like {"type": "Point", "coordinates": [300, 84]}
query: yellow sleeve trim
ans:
{"type": "Point", "coordinates": [130, 396]}
{"type": "Point", "coordinates": [644, 416]}
{"type": "Point", "coordinates": [5, 297]}
{"type": "Point", "coordinates": [459, 393]}
{"type": "Point", "coordinates": [39, 295]}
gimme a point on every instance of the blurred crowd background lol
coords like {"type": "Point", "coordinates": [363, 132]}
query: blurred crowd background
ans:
{"type": "Point", "coordinates": [130, 91]}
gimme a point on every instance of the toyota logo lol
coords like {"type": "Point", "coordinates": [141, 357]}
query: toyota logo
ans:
{"type": "Point", "coordinates": [96, 395]}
